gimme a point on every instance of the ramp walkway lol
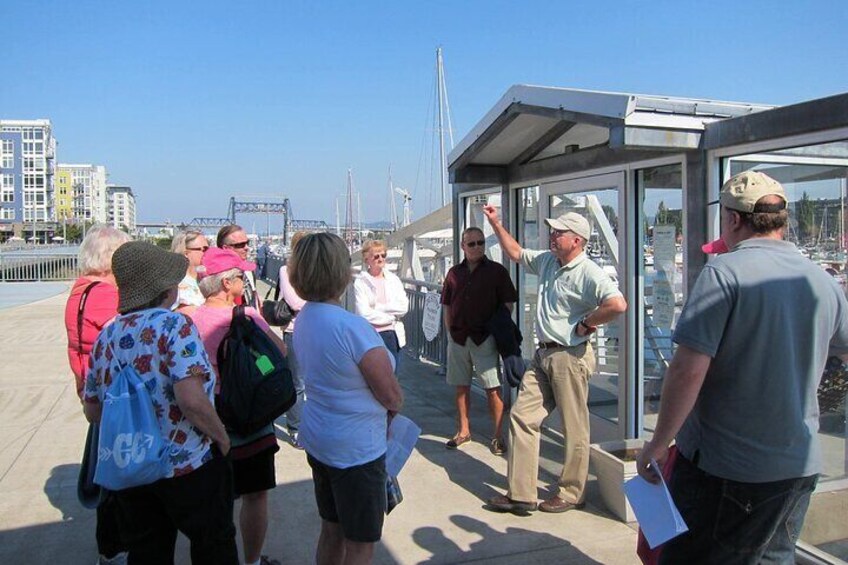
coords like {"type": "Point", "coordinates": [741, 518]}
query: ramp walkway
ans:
{"type": "Point", "coordinates": [441, 520]}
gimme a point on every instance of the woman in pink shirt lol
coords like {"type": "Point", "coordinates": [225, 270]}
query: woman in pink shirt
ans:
{"type": "Point", "coordinates": [83, 322]}
{"type": "Point", "coordinates": [253, 456]}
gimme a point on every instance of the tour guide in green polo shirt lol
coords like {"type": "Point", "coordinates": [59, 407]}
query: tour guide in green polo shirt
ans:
{"type": "Point", "coordinates": [575, 297]}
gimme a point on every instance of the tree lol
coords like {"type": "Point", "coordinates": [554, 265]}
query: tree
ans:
{"type": "Point", "coordinates": [76, 231]}
{"type": "Point", "coordinates": [609, 212]}
{"type": "Point", "coordinates": [806, 216]}
{"type": "Point", "coordinates": [666, 216]}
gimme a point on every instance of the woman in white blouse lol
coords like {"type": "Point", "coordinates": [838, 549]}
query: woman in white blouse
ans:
{"type": "Point", "coordinates": [192, 244]}
{"type": "Point", "coordinates": [381, 298]}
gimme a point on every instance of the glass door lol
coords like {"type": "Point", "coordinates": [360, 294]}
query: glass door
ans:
{"type": "Point", "coordinates": [600, 199]}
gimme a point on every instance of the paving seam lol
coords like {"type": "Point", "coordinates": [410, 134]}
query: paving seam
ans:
{"type": "Point", "coordinates": [37, 428]}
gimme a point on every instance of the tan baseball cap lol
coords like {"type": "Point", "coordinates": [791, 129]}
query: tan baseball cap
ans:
{"type": "Point", "coordinates": [571, 221]}
{"type": "Point", "coordinates": [742, 191]}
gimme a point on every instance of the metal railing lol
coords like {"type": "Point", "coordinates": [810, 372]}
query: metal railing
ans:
{"type": "Point", "coordinates": [30, 267]}
{"type": "Point", "coordinates": [416, 344]}
{"type": "Point", "coordinates": [435, 351]}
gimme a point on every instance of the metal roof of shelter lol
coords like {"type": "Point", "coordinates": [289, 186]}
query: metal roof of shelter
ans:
{"type": "Point", "coordinates": [534, 130]}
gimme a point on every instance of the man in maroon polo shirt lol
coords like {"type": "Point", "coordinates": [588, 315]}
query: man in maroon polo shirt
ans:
{"type": "Point", "coordinates": [472, 293]}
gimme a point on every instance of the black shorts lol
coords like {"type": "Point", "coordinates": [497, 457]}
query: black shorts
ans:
{"type": "Point", "coordinates": [354, 498]}
{"type": "Point", "coordinates": [255, 473]}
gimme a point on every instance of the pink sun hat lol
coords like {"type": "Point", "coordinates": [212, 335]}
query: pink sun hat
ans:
{"type": "Point", "coordinates": [217, 260]}
{"type": "Point", "coordinates": [715, 247]}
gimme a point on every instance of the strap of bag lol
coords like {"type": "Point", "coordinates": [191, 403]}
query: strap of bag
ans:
{"type": "Point", "coordinates": [80, 311]}
{"type": "Point", "coordinates": [276, 289]}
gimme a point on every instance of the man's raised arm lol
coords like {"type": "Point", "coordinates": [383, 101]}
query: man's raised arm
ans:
{"type": "Point", "coordinates": [508, 243]}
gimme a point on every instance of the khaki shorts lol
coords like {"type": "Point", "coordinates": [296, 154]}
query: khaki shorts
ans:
{"type": "Point", "coordinates": [465, 360]}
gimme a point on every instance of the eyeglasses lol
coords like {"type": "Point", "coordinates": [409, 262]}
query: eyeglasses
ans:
{"type": "Point", "coordinates": [558, 233]}
{"type": "Point", "coordinates": [239, 245]}
{"type": "Point", "coordinates": [378, 256]}
{"type": "Point", "coordinates": [479, 242]}
{"type": "Point", "coordinates": [203, 248]}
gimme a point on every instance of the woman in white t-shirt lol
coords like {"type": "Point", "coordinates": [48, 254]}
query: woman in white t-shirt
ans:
{"type": "Point", "coordinates": [352, 395]}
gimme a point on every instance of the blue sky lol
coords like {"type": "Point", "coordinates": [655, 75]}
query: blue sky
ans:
{"type": "Point", "coordinates": [191, 102]}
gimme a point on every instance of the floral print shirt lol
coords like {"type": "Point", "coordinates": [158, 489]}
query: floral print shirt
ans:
{"type": "Point", "coordinates": [164, 348]}
{"type": "Point", "coordinates": [189, 293]}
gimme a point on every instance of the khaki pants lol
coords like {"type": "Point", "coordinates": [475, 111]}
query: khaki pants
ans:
{"type": "Point", "coordinates": [557, 378]}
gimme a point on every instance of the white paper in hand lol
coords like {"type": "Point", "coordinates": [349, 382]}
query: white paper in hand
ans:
{"type": "Point", "coordinates": [403, 435]}
{"type": "Point", "coordinates": [655, 510]}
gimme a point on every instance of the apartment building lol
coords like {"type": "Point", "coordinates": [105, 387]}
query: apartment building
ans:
{"type": "Point", "coordinates": [64, 201]}
{"type": "Point", "coordinates": [27, 155]}
{"type": "Point", "coordinates": [121, 207]}
{"type": "Point", "coordinates": [88, 191]}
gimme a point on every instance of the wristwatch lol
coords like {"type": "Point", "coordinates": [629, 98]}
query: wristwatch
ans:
{"type": "Point", "coordinates": [589, 329]}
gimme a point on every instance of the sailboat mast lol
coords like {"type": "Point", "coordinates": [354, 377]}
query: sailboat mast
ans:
{"type": "Point", "coordinates": [442, 158]}
{"type": "Point", "coordinates": [392, 205]}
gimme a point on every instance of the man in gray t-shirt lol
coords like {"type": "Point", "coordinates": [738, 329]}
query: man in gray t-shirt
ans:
{"type": "Point", "coordinates": [740, 393]}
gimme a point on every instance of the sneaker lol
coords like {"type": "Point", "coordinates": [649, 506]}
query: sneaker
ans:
{"type": "Point", "coordinates": [497, 447]}
{"type": "Point", "coordinates": [265, 560]}
{"type": "Point", "coordinates": [118, 559]}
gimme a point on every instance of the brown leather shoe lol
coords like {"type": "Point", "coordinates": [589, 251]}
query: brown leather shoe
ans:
{"type": "Point", "coordinates": [557, 505]}
{"type": "Point", "coordinates": [502, 503]}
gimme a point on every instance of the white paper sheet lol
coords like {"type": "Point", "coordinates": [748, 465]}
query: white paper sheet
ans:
{"type": "Point", "coordinates": [403, 435]}
{"type": "Point", "coordinates": [655, 510]}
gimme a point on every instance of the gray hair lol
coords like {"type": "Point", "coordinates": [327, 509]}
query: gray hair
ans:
{"type": "Point", "coordinates": [211, 285]}
{"type": "Point", "coordinates": [95, 254]}
{"type": "Point", "coordinates": [183, 239]}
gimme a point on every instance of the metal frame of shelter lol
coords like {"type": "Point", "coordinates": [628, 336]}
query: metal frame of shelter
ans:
{"type": "Point", "coordinates": [565, 140]}
{"type": "Point", "coordinates": [544, 136]}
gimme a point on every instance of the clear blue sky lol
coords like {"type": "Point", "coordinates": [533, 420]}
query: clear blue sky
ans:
{"type": "Point", "coordinates": [191, 102]}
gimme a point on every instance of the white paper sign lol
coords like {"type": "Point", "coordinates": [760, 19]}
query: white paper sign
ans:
{"type": "Point", "coordinates": [431, 320]}
{"type": "Point", "coordinates": [403, 435]}
{"type": "Point", "coordinates": [663, 301]}
{"type": "Point", "coordinates": [664, 248]}
{"type": "Point", "coordinates": [657, 514]}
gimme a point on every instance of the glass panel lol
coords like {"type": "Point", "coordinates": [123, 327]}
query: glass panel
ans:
{"type": "Point", "coordinates": [474, 217]}
{"type": "Point", "coordinates": [662, 257]}
{"type": "Point", "coordinates": [528, 286]}
{"type": "Point", "coordinates": [601, 209]}
{"type": "Point", "coordinates": [815, 179]}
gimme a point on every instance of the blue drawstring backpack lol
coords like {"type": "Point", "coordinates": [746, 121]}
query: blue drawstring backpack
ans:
{"type": "Point", "coordinates": [131, 451]}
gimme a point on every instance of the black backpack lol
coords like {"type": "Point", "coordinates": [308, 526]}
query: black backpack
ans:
{"type": "Point", "coordinates": [256, 383]}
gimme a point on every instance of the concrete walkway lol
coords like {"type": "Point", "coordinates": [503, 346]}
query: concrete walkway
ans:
{"type": "Point", "coordinates": [441, 519]}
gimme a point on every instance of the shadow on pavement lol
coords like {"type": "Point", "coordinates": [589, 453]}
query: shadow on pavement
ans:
{"type": "Point", "coordinates": [493, 544]}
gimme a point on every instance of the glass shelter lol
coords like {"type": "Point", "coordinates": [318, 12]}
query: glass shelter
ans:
{"type": "Point", "coordinates": [643, 170]}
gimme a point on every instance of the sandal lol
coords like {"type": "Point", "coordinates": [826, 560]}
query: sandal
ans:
{"type": "Point", "coordinates": [457, 440]}
{"type": "Point", "coordinates": [497, 447]}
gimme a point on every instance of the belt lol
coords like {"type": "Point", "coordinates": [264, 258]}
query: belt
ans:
{"type": "Point", "coordinates": [554, 344]}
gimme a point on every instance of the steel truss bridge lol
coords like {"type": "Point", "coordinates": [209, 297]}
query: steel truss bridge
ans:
{"type": "Point", "coordinates": [253, 205]}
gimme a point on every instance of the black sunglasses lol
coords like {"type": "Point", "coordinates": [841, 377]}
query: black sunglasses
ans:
{"type": "Point", "coordinates": [239, 245]}
{"type": "Point", "coordinates": [479, 242]}
{"type": "Point", "coordinates": [203, 248]}
{"type": "Point", "coordinates": [378, 256]}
